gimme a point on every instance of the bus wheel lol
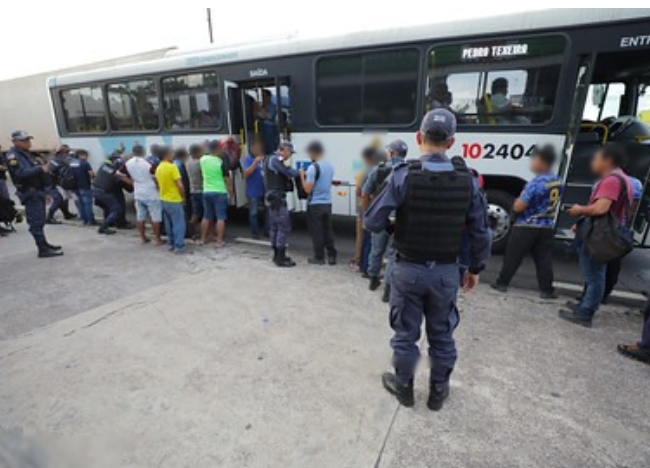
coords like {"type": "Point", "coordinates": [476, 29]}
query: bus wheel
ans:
{"type": "Point", "coordinates": [499, 206]}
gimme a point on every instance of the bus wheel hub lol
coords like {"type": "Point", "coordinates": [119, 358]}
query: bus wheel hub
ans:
{"type": "Point", "coordinates": [499, 221]}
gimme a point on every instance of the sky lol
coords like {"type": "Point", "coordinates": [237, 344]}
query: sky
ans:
{"type": "Point", "coordinates": [38, 37]}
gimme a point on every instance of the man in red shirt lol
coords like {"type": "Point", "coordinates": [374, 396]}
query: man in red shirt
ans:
{"type": "Point", "coordinates": [609, 195]}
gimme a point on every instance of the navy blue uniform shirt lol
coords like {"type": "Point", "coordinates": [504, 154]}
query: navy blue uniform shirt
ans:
{"type": "Point", "coordinates": [393, 195]}
{"type": "Point", "coordinates": [26, 172]}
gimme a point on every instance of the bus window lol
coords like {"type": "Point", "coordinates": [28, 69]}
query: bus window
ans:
{"type": "Point", "coordinates": [133, 105]}
{"type": "Point", "coordinates": [84, 110]}
{"type": "Point", "coordinates": [192, 101]}
{"type": "Point", "coordinates": [603, 101]}
{"type": "Point", "coordinates": [374, 88]}
{"type": "Point", "coordinates": [512, 82]}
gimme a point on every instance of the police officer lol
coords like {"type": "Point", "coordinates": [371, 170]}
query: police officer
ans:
{"type": "Point", "coordinates": [105, 185]}
{"type": "Point", "coordinates": [29, 174]}
{"type": "Point", "coordinates": [279, 177]}
{"type": "Point", "coordinates": [435, 199]}
{"type": "Point", "coordinates": [382, 241]}
{"type": "Point", "coordinates": [58, 162]}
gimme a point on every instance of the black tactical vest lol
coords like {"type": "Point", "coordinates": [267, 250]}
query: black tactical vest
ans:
{"type": "Point", "coordinates": [430, 223]}
{"type": "Point", "coordinates": [276, 181]}
{"type": "Point", "coordinates": [105, 178]}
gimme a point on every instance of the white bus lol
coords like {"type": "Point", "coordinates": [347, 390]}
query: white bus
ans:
{"type": "Point", "coordinates": [574, 78]}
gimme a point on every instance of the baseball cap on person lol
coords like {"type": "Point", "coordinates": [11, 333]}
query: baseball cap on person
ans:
{"type": "Point", "coordinates": [315, 147]}
{"type": "Point", "coordinates": [21, 135]}
{"type": "Point", "coordinates": [286, 144]}
{"type": "Point", "coordinates": [439, 122]}
{"type": "Point", "coordinates": [398, 146]}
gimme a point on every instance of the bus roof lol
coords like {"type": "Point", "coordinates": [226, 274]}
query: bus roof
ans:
{"type": "Point", "coordinates": [527, 21]}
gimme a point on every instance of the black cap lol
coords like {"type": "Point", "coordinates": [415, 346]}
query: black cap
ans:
{"type": "Point", "coordinates": [315, 147]}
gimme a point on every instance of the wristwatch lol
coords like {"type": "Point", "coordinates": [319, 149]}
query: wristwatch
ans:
{"type": "Point", "coordinates": [475, 270]}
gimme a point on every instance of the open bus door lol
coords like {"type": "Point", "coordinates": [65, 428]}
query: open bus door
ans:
{"type": "Point", "coordinates": [577, 185]}
{"type": "Point", "coordinates": [246, 117]}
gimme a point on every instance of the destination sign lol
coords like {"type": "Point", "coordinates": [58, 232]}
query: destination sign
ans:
{"type": "Point", "coordinates": [495, 51]}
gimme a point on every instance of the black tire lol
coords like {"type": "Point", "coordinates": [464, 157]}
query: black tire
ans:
{"type": "Point", "coordinates": [499, 207]}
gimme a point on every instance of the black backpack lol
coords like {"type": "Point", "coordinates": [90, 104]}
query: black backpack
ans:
{"type": "Point", "coordinates": [67, 180]}
{"type": "Point", "coordinates": [302, 194]}
{"type": "Point", "coordinates": [605, 237]}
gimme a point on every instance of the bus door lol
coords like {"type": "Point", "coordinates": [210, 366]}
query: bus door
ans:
{"type": "Point", "coordinates": [574, 169]}
{"type": "Point", "coordinates": [259, 110]}
{"type": "Point", "coordinates": [640, 223]}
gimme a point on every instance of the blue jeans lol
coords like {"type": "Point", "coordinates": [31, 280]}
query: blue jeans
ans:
{"type": "Point", "coordinates": [254, 215]}
{"type": "Point", "coordinates": [366, 244]}
{"type": "Point", "coordinates": [378, 245]}
{"type": "Point", "coordinates": [85, 206]}
{"type": "Point", "coordinates": [593, 274]}
{"type": "Point", "coordinates": [174, 217]}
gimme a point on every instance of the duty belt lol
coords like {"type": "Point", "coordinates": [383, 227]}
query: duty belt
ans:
{"type": "Point", "coordinates": [428, 263]}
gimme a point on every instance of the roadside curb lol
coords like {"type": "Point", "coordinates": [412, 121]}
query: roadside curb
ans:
{"type": "Point", "coordinates": [626, 298]}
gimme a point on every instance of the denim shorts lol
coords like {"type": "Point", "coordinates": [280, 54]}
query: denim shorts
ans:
{"type": "Point", "coordinates": [196, 200]}
{"type": "Point", "coordinates": [151, 207]}
{"type": "Point", "coordinates": [215, 206]}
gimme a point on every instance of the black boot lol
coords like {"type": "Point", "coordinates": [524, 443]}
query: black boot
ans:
{"type": "Point", "coordinates": [374, 283]}
{"type": "Point", "coordinates": [52, 220]}
{"type": "Point", "coordinates": [403, 393]}
{"type": "Point", "coordinates": [65, 209]}
{"type": "Point", "coordinates": [275, 255]}
{"type": "Point", "coordinates": [438, 393]}
{"type": "Point", "coordinates": [386, 296]}
{"type": "Point", "coordinates": [45, 252]}
{"type": "Point", "coordinates": [105, 230]}
{"type": "Point", "coordinates": [53, 247]}
{"type": "Point", "coordinates": [284, 261]}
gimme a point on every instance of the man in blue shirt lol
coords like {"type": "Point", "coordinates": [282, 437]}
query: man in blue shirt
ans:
{"type": "Point", "coordinates": [532, 232]}
{"type": "Point", "coordinates": [252, 165]}
{"type": "Point", "coordinates": [381, 241]}
{"type": "Point", "coordinates": [435, 200]}
{"type": "Point", "coordinates": [317, 182]}
{"type": "Point", "coordinates": [83, 175]}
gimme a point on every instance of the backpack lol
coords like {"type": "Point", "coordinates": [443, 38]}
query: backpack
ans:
{"type": "Point", "coordinates": [606, 237]}
{"type": "Point", "coordinates": [302, 194]}
{"type": "Point", "coordinates": [66, 177]}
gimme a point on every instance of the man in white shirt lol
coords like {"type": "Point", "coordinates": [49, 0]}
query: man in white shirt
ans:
{"type": "Point", "coordinates": [145, 192]}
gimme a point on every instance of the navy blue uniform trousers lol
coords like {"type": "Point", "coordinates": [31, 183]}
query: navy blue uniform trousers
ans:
{"type": "Point", "coordinates": [429, 293]}
{"type": "Point", "coordinates": [108, 202]}
{"type": "Point", "coordinates": [279, 223]}
{"type": "Point", "coordinates": [34, 203]}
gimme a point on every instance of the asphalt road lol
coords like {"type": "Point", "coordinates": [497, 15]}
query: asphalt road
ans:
{"type": "Point", "coordinates": [124, 355]}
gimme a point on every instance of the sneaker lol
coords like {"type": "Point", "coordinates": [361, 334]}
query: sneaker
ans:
{"type": "Point", "coordinates": [437, 396]}
{"type": "Point", "coordinates": [316, 261]}
{"type": "Point", "coordinates": [634, 352]}
{"type": "Point", "coordinates": [403, 393]}
{"type": "Point", "coordinates": [548, 295]}
{"type": "Point", "coordinates": [575, 317]}
{"type": "Point", "coordinates": [572, 305]}
{"type": "Point", "coordinates": [499, 287]}
{"type": "Point", "coordinates": [374, 283]}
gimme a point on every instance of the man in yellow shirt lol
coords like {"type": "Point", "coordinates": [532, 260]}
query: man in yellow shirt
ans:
{"type": "Point", "coordinates": [170, 185]}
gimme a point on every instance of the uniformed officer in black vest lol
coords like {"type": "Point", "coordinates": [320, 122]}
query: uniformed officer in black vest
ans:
{"type": "Point", "coordinates": [436, 200]}
{"type": "Point", "coordinates": [279, 179]}
{"type": "Point", "coordinates": [30, 175]}
{"type": "Point", "coordinates": [105, 186]}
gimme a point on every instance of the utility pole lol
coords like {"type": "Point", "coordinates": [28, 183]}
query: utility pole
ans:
{"type": "Point", "coordinates": [210, 25]}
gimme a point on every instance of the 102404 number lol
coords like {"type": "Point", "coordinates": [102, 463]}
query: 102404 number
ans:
{"type": "Point", "coordinates": [491, 151]}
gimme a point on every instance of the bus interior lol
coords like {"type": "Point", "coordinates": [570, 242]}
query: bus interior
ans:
{"type": "Point", "coordinates": [616, 100]}
{"type": "Point", "coordinates": [260, 109]}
